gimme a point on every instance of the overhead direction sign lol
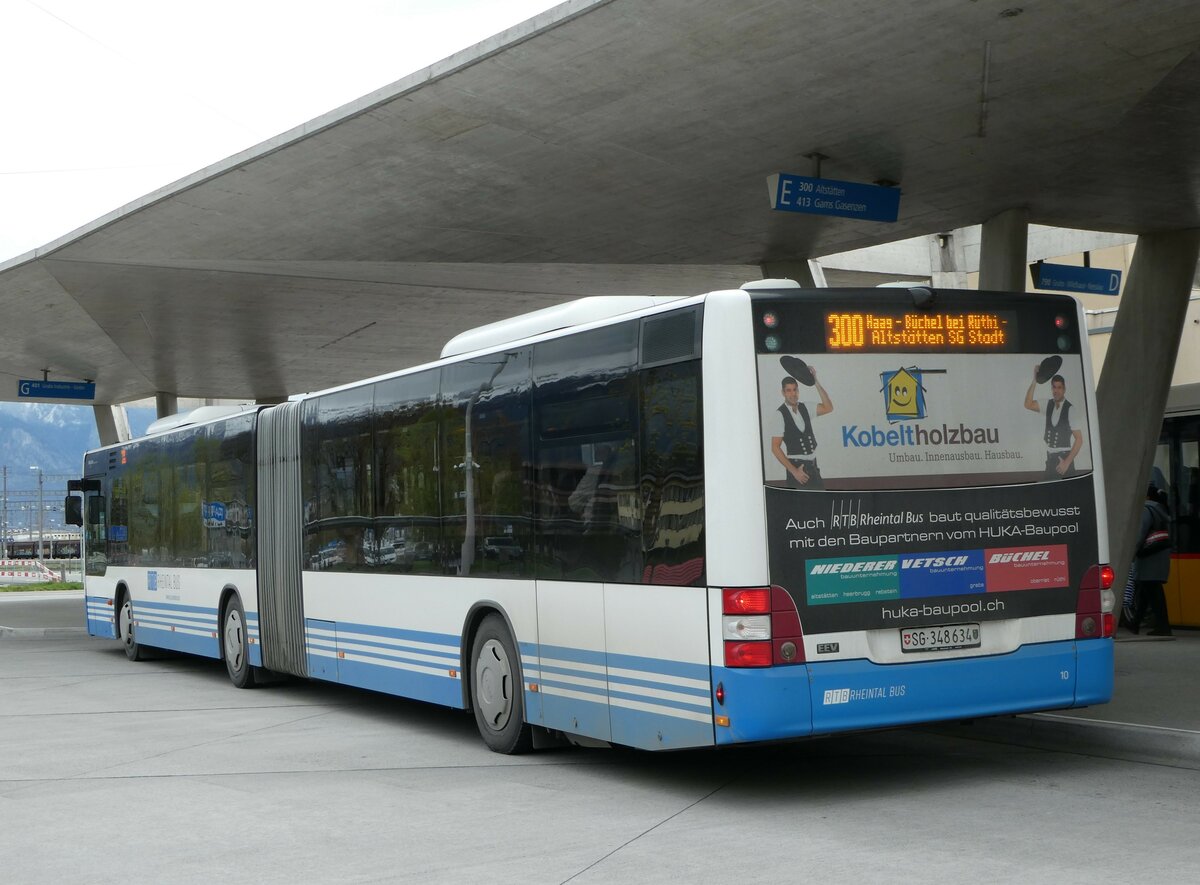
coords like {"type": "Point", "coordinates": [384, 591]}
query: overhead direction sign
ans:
{"type": "Point", "coordinates": [32, 389]}
{"type": "Point", "coordinates": [827, 196]}
{"type": "Point", "coordinates": [1069, 278]}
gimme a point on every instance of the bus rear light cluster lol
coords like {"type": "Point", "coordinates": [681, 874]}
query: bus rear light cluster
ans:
{"type": "Point", "coordinates": [760, 627]}
{"type": "Point", "coordinates": [1094, 617]}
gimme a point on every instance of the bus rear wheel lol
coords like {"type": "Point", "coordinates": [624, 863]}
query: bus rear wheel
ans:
{"type": "Point", "coordinates": [497, 690]}
{"type": "Point", "coordinates": [235, 644]}
{"type": "Point", "coordinates": [127, 631]}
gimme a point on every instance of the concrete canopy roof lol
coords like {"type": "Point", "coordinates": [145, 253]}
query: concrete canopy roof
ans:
{"type": "Point", "coordinates": [610, 146]}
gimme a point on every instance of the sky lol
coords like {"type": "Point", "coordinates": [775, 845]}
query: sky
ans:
{"type": "Point", "coordinates": [104, 101]}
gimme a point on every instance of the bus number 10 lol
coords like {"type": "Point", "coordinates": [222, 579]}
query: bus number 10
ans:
{"type": "Point", "coordinates": [845, 330]}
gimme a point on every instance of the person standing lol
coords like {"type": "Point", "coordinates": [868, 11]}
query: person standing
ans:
{"type": "Point", "coordinates": [1153, 565]}
{"type": "Point", "coordinates": [796, 434]}
{"type": "Point", "coordinates": [1062, 442]}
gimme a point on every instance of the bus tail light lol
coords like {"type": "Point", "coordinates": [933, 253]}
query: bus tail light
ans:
{"type": "Point", "coordinates": [746, 600]}
{"type": "Point", "coordinates": [1094, 617]}
{"type": "Point", "coordinates": [748, 654]}
{"type": "Point", "coordinates": [760, 627]}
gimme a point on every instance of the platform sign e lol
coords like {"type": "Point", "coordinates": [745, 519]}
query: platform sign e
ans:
{"type": "Point", "coordinates": [828, 196]}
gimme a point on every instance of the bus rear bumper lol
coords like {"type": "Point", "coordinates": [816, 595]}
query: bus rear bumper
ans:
{"type": "Point", "coordinates": [823, 698]}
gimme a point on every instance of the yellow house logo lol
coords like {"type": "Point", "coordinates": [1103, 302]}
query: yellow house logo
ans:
{"type": "Point", "coordinates": [903, 395]}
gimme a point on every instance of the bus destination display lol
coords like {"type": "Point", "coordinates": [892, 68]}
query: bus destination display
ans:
{"type": "Point", "coordinates": [866, 331]}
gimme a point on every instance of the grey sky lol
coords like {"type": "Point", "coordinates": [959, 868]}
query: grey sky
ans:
{"type": "Point", "coordinates": [106, 101]}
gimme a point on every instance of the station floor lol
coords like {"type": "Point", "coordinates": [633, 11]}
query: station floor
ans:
{"type": "Point", "coordinates": [1154, 715]}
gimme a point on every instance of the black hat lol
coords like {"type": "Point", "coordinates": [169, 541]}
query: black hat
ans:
{"type": "Point", "coordinates": [798, 369]}
{"type": "Point", "coordinates": [1048, 369]}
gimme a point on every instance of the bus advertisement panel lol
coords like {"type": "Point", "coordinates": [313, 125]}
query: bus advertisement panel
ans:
{"type": "Point", "coordinates": [926, 468]}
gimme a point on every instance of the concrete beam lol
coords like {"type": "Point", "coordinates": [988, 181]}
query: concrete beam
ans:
{"type": "Point", "coordinates": [1002, 251]}
{"type": "Point", "coordinates": [165, 404]}
{"type": "Point", "coordinates": [1132, 392]}
{"type": "Point", "coordinates": [948, 259]}
{"type": "Point", "coordinates": [112, 424]}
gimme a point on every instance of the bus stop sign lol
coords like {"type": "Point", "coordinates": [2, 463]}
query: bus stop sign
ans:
{"type": "Point", "coordinates": [827, 196]}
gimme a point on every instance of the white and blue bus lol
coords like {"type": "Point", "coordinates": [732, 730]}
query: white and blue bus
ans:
{"type": "Point", "coordinates": [751, 515]}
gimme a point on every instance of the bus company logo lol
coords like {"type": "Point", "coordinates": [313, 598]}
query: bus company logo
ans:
{"type": "Point", "coordinates": [152, 581]}
{"type": "Point", "coordinates": [836, 696]}
{"type": "Point", "coordinates": [903, 394]}
{"type": "Point", "coordinates": [1042, 555]}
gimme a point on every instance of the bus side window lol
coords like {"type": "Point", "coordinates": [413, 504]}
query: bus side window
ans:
{"type": "Point", "coordinates": [408, 533]}
{"type": "Point", "coordinates": [585, 420]}
{"type": "Point", "coordinates": [672, 481]}
{"type": "Point", "coordinates": [338, 457]}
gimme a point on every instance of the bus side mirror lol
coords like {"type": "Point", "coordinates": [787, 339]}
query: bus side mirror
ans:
{"type": "Point", "coordinates": [73, 508]}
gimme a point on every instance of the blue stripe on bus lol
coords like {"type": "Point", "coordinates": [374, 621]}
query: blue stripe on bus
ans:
{"type": "Point", "coordinates": [101, 619]}
{"type": "Point", "coordinates": [443, 690]}
{"type": "Point", "coordinates": [205, 646]}
{"type": "Point", "coordinates": [450, 658]}
{"type": "Point", "coordinates": [577, 715]}
{"type": "Point", "coordinates": [651, 731]}
{"type": "Point", "coordinates": [573, 655]}
{"type": "Point", "coordinates": [695, 691]}
{"type": "Point", "coordinates": [610, 660]}
{"type": "Point", "coordinates": [546, 674]}
{"type": "Point", "coordinates": [397, 633]}
{"type": "Point", "coordinates": [661, 702]}
{"type": "Point", "coordinates": [597, 690]}
{"type": "Point", "coordinates": [682, 669]}
{"type": "Point", "coordinates": [173, 606]}
{"type": "Point", "coordinates": [105, 628]}
{"type": "Point", "coordinates": [450, 663]}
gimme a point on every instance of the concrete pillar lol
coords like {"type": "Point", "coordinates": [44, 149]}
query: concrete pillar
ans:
{"type": "Point", "coordinates": [112, 424]}
{"type": "Point", "coordinates": [948, 261]}
{"type": "Point", "coordinates": [165, 404]}
{"type": "Point", "coordinates": [1132, 392]}
{"type": "Point", "coordinates": [1002, 250]}
{"type": "Point", "coordinates": [808, 274]}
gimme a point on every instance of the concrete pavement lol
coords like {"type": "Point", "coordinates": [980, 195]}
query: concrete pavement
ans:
{"type": "Point", "coordinates": [1154, 715]}
{"type": "Point", "coordinates": [160, 771]}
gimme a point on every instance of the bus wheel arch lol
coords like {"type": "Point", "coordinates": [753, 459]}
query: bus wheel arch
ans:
{"type": "Point", "coordinates": [126, 630]}
{"type": "Point", "coordinates": [493, 686]}
{"type": "Point", "coordinates": [234, 639]}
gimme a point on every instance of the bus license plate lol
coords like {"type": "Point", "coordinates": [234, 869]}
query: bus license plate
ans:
{"type": "Point", "coordinates": [944, 638]}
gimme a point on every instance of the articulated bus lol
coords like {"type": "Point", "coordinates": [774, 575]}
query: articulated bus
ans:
{"type": "Point", "coordinates": [752, 515]}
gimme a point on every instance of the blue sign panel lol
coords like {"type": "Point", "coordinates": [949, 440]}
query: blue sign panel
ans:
{"type": "Point", "coordinates": [827, 196]}
{"type": "Point", "coordinates": [1068, 278]}
{"type": "Point", "coordinates": [55, 389]}
{"type": "Point", "coordinates": [942, 574]}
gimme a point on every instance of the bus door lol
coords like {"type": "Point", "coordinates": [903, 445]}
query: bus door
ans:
{"type": "Point", "coordinates": [101, 615]}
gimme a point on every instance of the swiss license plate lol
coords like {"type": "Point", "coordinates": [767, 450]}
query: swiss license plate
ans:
{"type": "Point", "coordinates": [943, 638]}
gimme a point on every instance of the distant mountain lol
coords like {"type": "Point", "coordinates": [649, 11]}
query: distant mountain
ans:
{"type": "Point", "coordinates": [54, 438]}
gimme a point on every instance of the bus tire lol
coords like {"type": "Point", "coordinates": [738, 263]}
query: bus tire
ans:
{"type": "Point", "coordinates": [497, 690]}
{"type": "Point", "coordinates": [126, 629]}
{"type": "Point", "coordinates": [235, 644]}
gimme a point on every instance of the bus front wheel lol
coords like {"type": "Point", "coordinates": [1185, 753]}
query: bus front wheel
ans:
{"type": "Point", "coordinates": [497, 690]}
{"type": "Point", "coordinates": [235, 644]}
{"type": "Point", "coordinates": [127, 630]}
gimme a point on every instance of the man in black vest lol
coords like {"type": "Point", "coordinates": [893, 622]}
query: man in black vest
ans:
{"type": "Point", "coordinates": [796, 434]}
{"type": "Point", "coordinates": [1062, 443]}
